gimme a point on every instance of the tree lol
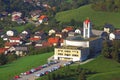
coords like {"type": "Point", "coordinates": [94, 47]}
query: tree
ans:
{"type": "Point", "coordinates": [105, 50]}
{"type": "Point", "coordinates": [82, 75]}
{"type": "Point", "coordinates": [3, 59]}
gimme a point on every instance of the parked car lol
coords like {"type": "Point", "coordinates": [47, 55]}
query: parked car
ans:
{"type": "Point", "coordinates": [16, 77]}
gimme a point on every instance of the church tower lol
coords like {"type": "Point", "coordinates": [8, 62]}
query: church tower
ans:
{"type": "Point", "coordinates": [87, 29]}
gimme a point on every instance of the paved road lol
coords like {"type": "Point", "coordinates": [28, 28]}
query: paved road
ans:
{"type": "Point", "coordinates": [33, 77]}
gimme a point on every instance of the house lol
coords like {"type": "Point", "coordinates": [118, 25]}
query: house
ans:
{"type": "Point", "coordinates": [10, 44]}
{"type": "Point", "coordinates": [5, 37]}
{"type": "Point", "coordinates": [72, 34]}
{"type": "Point", "coordinates": [3, 50]}
{"type": "Point", "coordinates": [15, 39]}
{"type": "Point", "coordinates": [35, 14]}
{"type": "Point", "coordinates": [53, 31]}
{"type": "Point", "coordinates": [16, 16]}
{"type": "Point", "coordinates": [21, 50]}
{"type": "Point", "coordinates": [79, 31]}
{"type": "Point", "coordinates": [24, 35]}
{"type": "Point", "coordinates": [68, 29]}
{"type": "Point", "coordinates": [43, 18]}
{"type": "Point", "coordinates": [108, 28]}
{"type": "Point", "coordinates": [11, 32]}
{"type": "Point", "coordinates": [55, 41]}
{"type": "Point", "coordinates": [40, 34]}
{"type": "Point", "coordinates": [114, 35]}
{"type": "Point", "coordinates": [42, 43]}
{"type": "Point", "coordinates": [32, 39]}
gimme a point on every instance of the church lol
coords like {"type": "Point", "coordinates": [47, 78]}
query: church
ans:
{"type": "Point", "coordinates": [79, 47]}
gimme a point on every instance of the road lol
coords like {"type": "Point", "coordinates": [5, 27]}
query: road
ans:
{"type": "Point", "coordinates": [33, 77]}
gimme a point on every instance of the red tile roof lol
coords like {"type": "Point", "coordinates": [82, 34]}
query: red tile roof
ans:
{"type": "Point", "coordinates": [34, 39]}
{"type": "Point", "coordinates": [69, 28]}
{"type": "Point", "coordinates": [14, 38]}
{"type": "Point", "coordinates": [53, 40]}
{"type": "Point", "coordinates": [2, 50]}
{"type": "Point", "coordinates": [11, 43]}
{"type": "Point", "coordinates": [42, 17]}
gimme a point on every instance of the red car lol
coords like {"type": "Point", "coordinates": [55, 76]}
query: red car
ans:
{"type": "Point", "coordinates": [17, 77]}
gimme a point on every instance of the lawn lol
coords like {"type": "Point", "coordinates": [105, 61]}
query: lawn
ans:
{"type": "Point", "coordinates": [23, 64]}
{"type": "Point", "coordinates": [98, 18]}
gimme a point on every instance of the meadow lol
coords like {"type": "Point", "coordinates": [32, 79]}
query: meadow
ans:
{"type": "Point", "coordinates": [98, 18]}
{"type": "Point", "coordinates": [7, 72]}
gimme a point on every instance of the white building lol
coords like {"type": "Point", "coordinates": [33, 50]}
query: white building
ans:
{"type": "Point", "coordinates": [77, 48]}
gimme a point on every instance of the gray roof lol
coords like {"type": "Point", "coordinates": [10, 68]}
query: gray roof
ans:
{"type": "Point", "coordinates": [21, 48]}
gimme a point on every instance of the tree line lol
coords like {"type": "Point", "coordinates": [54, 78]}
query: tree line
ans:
{"type": "Point", "coordinates": [111, 50]}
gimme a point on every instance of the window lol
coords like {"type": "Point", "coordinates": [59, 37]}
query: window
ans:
{"type": "Point", "coordinates": [60, 50]}
{"type": "Point", "coordinates": [67, 51]}
{"type": "Point", "coordinates": [67, 54]}
{"type": "Point", "coordinates": [74, 55]}
{"type": "Point", "coordinates": [60, 53]}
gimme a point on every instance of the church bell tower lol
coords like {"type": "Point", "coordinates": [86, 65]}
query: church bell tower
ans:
{"type": "Point", "coordinates": [87, 29]}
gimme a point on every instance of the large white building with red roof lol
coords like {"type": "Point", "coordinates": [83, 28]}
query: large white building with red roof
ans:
{"type": "Point", "coordinates": [79, 47]}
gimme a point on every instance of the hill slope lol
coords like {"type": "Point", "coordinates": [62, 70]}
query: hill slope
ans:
{"type": "Point", "coordinates": [23, 64]}
{"type": "Point", "coordinates": [98, 18]}
{"type": "Point", "coordinates": [106, 69]}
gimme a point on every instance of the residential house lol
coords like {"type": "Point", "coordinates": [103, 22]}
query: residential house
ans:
{"type": "Point", "coordinates": [35, 14]}
{"type": "Point", "coordinates": [53, 31]}
{"type": "Point", "coordinates": [79, 31]}
{"type": "Point", "coordinates": [40, 34]}
{"type": "Point", "coordinates": [42, 43]}
{"type": "Point", "coordinates": [67, 29]}
{"type": "Point", "coordinates": [5, 37]}
{"type": "Point", "coordinates": [108, 28]}
{"type": "Point", "coordinates": [24, 35]}
{"type": "Point", "coordinates": [114, 35]}
{"type": "Point", "coordinates": [43, 18]}
{"type": "Point", "coordinates": [16, 16]}
{"type": "Point", "coordinates": [32, 39]}
{"type": "Point", "coordinates": [55, 41]}
{"type": "Point", "coordinates": [21, 50]}
{"type": "Point", "coordinates": [15, 39]}
{"type": "Point", "coordinates": [61, 34]}
{"type": "Point", "coordinates": [3, 50]}
{"type": "Point", "coordinates": [11, 32]}
{"type": "Point", "coordinates": [10, 44]}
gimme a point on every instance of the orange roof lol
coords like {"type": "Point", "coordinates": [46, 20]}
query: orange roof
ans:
{"type": "Point", "coordinates": [53, 40]}
{"type": "Point", "coordinates": [34, 39]}
{"type": "Point", "coordinates": [69, 28]}
{"type": "Point", "coordinates": [2, 50]}
{"type": "Point", "coordinates": [11, 43]}
{"type": "Point", "coordinates": [42, 17]}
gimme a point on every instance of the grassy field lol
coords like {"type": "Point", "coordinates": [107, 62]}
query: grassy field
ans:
{"type": "Point", "coordinates": [23, 64]}
{"type": "Point", "coordinates": [98, 18]}
{"type": "Point", "coordinates": [106, 69]}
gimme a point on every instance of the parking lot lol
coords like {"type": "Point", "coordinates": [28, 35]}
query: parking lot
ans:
{"type": "Point", "coordinates": [41, 70]}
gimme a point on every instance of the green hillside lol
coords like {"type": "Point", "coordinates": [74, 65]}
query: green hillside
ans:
{"type": "Point", "coordinates": [23, 64]}
{"type": "Point", "coordinates": [106, 69]}
{"type": "Point", "coordinates": [98, 18]}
